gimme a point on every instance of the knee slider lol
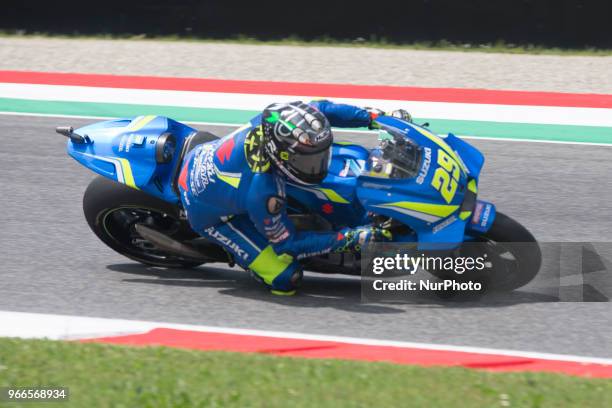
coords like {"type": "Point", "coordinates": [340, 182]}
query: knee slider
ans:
{"type": "Point", "coordinates": [291, 278]}
{"type": "Point", "coordinates": [296, 278]}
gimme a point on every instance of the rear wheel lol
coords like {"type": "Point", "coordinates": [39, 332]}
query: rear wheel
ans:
{"type": "Point", "coordinates": [112, 210]}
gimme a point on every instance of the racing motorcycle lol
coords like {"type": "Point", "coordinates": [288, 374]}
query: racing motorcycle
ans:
{"type": "Point", "coordinates": [420, 186]}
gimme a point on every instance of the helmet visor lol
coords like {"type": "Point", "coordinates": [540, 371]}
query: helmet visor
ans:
{"type": "Point", "coordinates": [310, 168]}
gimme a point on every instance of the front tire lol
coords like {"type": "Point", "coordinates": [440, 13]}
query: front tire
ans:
{"type": "Point", "coordinates": [113, 209]}
{"type": "Point", "coordinates": [517, 255]}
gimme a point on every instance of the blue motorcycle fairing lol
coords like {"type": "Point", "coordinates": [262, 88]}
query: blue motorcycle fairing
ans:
{"type": "Point", "coordinates": [347, 194]}
{"type": "Point", "coordinates": [125, 149]}
{"type": "Point", "coordinates": [430, 203]}
{"type": "Point", "coordinates": [468, 154]}
{"type": "Point", "coordinates": [335, 198]}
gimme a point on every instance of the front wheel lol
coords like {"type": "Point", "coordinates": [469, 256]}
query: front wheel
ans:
{"type": "Point", "coordinates": [513, 254]}
{"type": "Point", "coordinates": [112, 210]}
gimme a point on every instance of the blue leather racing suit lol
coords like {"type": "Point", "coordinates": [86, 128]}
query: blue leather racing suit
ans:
{"type": "Point", "coordinates": [235, 197]}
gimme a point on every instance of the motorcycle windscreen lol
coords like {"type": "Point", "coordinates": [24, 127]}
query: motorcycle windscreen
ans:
{"type": "Point", "coordinates": [381, 165]}
{"type": "Point", "coordinates": [311, 168]}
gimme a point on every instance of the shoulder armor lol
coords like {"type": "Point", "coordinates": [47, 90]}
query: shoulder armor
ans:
{"type": "Point", "coordinates": [256, 158]}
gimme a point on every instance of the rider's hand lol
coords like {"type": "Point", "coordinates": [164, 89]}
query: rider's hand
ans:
{"type": "Point", "coordinates": [402, 114]}
{"type": "Point", "coordinates": [374, 113]}
{"type": "Point", "coordinates": [353, 239]}
{"type": "Point", "coordinates": [398, 113]}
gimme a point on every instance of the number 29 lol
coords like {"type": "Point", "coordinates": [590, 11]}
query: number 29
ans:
{"type": "Point", "coordinates": [446, 177]}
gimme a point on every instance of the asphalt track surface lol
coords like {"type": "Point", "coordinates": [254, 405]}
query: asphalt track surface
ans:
{"type": "Point", "coordinates": [51, 262]}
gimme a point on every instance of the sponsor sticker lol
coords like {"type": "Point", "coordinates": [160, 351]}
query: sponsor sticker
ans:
{"type": "Point", "coordinates": [444, 224]}
{"type": "Point", "coordinates": [227, 242]}
{"type": "Point", "coordinates": [203, 170]}
{"type": "Point", "coordinates": [477, 213]}
{"type": "Point", "coordinates": [425, 166]}
{"type": "Point", "coordinates": [276, 231]}
{"type": "Point", "coordinates": [485, 215]}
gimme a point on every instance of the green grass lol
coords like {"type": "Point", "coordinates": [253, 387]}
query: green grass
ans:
{"type": "Point", "coordinates": [113, 376]}
{"type": "Point", "coordinates": [442, 45]}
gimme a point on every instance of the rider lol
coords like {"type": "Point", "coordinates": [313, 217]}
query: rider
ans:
{"type": "Point", "coordinates": [233, 189]}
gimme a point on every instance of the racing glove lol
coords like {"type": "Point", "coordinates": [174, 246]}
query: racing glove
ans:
{"type": "Point", "coordinates": [374, 113]}
{"type": "Point", "coordinates": [353, 239]}
{"type": "Point", "coordinates": [398, 113]}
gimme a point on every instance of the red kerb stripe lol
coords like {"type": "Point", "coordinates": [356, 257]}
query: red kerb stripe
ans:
{"type": "Point", "coordinates": [350, 351]}
{"type": "Point", "coordinates": [314, 89]}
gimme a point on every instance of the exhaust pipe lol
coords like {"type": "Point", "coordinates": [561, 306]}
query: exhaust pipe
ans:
{"type": "Point", "coordinates": [165, 243]}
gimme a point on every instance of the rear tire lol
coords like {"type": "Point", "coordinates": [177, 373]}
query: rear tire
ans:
{"type": "Point", "coordinates": [112, 209]}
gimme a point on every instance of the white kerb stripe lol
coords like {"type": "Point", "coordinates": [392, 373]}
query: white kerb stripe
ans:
{"type": "Point", "coordinates": [432, 110]}
{"type": "Point", "coordinates": [58, 327]}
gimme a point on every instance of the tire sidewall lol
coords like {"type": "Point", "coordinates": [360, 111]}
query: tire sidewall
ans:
{"type": "Point", "coordinates": [104, 195]}
{"type": "Point", "coordinates": [523, 245]}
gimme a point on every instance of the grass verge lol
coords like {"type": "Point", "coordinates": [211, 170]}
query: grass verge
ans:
{"type": "Point", "coordinates": [442, 45]}
{"type": "Point", "coordinates": [101, 375]}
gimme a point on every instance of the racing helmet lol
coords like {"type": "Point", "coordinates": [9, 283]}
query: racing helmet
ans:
{"type": "Point", "coordinates": [298, 138]}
